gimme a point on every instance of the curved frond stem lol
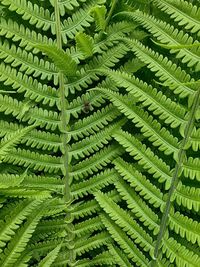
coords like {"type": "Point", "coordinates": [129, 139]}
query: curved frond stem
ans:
{"type": "Point", "coordinates": [180, 158]}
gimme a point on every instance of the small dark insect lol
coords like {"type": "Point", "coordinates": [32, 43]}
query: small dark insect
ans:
{"type": "Point", "coordinates": [86, 106]}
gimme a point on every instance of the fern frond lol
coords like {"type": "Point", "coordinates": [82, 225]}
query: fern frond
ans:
{"type": "Point", "coordinates": [167, 34]}
{"type": "Point", "coordinates": [50, 258]}
{"type": "Point", "coordinates": [85, 44]}
{"type": "Point", "coordinates": [18, 244]}
{"type": "Point", "coordinates": [11, 180]}
{"type": "Point", "coordinates": [61, 59]}
{"type": "Point", "coordinates": [95, 162]}
{"type": "Point", "coordinates": [95, 142]}
{"type": "Point", "coordinates": [15, 218]}
{"type": "Point", "coordinates": [51, 183]}
{"type": "Point", "coordinates": [95, 122]}
{"type": "Point", "coordinates": [149, 127]}
{"type": "Point", "coordinates": [141, 210]}
{"type": "Point", "coordinates": [44, 247]}
{"type": "Point", "coordinates": [156, 101]}
{"type": "Point", "coordinates": [36, 15]}
{"type": "Point", "coordinates": [188, 196]}
{"type": "Point", "coordinates": [169, 73]}
{"type": "Point", "coordinates": [11, 140]}
{"type": "Point", "coordinates": [124, 242]}
{"type": "Point", "coordinates": [191, 168]}
{"type": "Point", "coordinates": [22, 111]}
{"type": "Point", "coordinates": [114, 32]}
{"type": "Point", "coordinates": [99, 14]}
{"type": "Point", "coordinates": [140, 183]}
{"type": "Point", "coordinates": [28, 63]}
{"type": "Point", "coordinates": [194, 140]}
{"type": "Point", "coordinates": [94, 183]}
{"type": "Point", "coordinates": [91, 243]}
{"type": "Point", "coordinates": [154, 165]}
{"type": "Point", "coordinates": [185, 226]}
{"type": "Point", "coordinates": [22, 83]}
{"type": "Point", "coordinates": [120, 258]}
{"type": "Point", "coordinates": [24, 35]}
{"type": "Point", "coordinates": [179, 254]}
{"type": "Point", "coordinates": [88, 226]}
{"type": "Point", "coordinates": [76, 106]}
{"type": "Point", "coordinates": [91, 206]}
{"type": "Point", "coordinates": [25, 193]}
{"type": "Point", "coordinates": [80, 20]}
{"type": "Point", "coordinates": [50, 225]}
{"type": "Point", "coordinates": [183, 12]}
{"type": "Point", "coordinates": [124, 221]}
{"type": "Point", "coordinates": [34, 160]}
{"type": "Point", "coordinates": [65, 5]}
{"type": "Point", "coordinates": [89, 73]}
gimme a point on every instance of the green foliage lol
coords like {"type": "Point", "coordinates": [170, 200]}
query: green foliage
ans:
{"type": "Point", "coordinates": [99, 106]}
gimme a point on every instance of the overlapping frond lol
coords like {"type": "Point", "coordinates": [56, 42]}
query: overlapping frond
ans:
{"type": "Point", "coordinates": [100, 138]}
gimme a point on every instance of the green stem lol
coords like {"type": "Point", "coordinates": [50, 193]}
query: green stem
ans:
{"type": "Point", "coordinates": [63, 107]}
{"type": "Point", "coordinates": [65, 139]}
{"type": "Point", "coordinates": [111, 12]}
{"type": "Point", "coordinates": [175, 178]}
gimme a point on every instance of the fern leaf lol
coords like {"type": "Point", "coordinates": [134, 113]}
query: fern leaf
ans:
{"type": "Point", "coordinates": [124, 242]}
{"type": "Point", "coordinates": [80, 20]}
{"type": "Point", "coordinates": [99, 260]}
{"type": "Point", "coordinates": [188, 197]}
{"type": "Point", "coordinates": [124, 221]}
{"type": "Point", "coordinates": [27, 61]}
{"type": "Point", "coordinates": [114, 32]}
{"type": "Point", "coordinates": [11, 140]}
{"type": "Point", "coordinates": [142, 211]}
{"type": "Point", "coordinates": [119, 256]}
{"type": "Point", "coordinates": [157, 102]}
{"type": "Point", "coordinates": [88, 226]}
{"type": "Point", "coordinates": [25, 36]}
{"type": "Point", "coordinates": [23, 83]}
{"type": "Point", "coordinates": [95, 162]}
{"type": "Point", "coordinates": [33, 160]}
{"type": "Point", "coordinates": [39, 116]}
{"type": "Point", "coordinates": [183, 12]}
{"type": "Point", "coordinates": [145, 157]}
{"type": "Point", "coordinates": [25, 193]}
{"type": "Point", "coordinates": [191, 168]}
{"type": "Point", "coordinates": [38, 16]}
{"type": "Point", "coordinates": [169, 74]}
{"type": "Point", "coordinates": [140, 183]}
{"type": "Point", "coordinates": [194, 141]}
{"type": "Point", "coordinates": [89, 73]}
{"type": "Point", "coordinates": [90, 243]}
{"type": "Point", "coordinates": [167, 34]}
{"type": "Point", "coordinates": [94, 183]}
{"type": "Point", "coordinates": [13, 221]}
{"type": "Point", "coordinates": [91, 206]}
{"type": "Point", "coordinates": [92, 124]}
{"type": "Point", "coordinates": [50, 258]}
{"type": "Point", "coordinates": [149, 127]}
{"type": "Point", "coordinates": [62, 60]}
{"type": "Point", "coordinates": [65, 5]}
{"type": "Point", "coordinates": [85, 44]}
{"type": "Point", "coordinates": [180, 254]}
{"type": "Point", "coordinates": [18, 244]}
{"type": "Point", "coordinates": [185, 226]}
{"type": "Point", "coordinates": [95, 142]}
{"type": "Point", "coordinates": [99, 13]}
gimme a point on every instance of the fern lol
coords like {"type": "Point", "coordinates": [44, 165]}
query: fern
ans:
{"type": "Point", "coordinates": [99, 105]}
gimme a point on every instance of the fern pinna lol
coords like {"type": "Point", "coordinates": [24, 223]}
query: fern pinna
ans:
{"type": "Point", "coordinates": [99, 166]}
